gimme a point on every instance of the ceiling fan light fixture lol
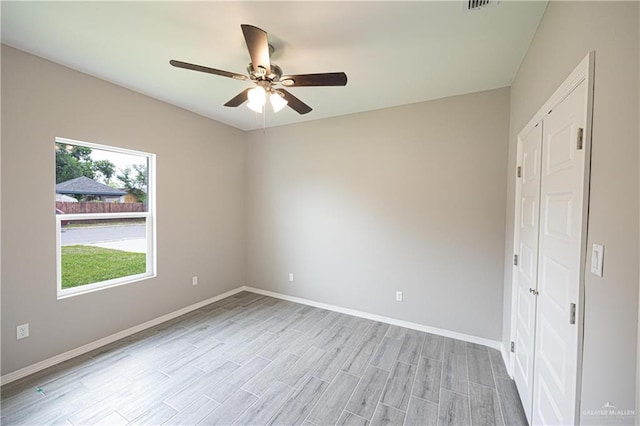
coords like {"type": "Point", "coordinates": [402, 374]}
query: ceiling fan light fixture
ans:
{"type": "Point", "coordinates": [257, 98]}
{"type": "Point", "coordinates": [257, 95]}
{"type": "Point", "coordinates": [277, 101]}
{"type": "Point", "coordinates": [255, 107]}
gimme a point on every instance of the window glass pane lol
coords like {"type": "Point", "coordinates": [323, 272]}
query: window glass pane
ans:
{"type": "Point", "coordinates": [93, 180]}
{"type": "Point", "coordinates": [105, 216]}
{"type": "Point", "coordinates": [99, 250]}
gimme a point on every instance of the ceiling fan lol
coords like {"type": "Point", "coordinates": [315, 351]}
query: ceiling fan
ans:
{"type": "Point", "coordinates": [268, 77]}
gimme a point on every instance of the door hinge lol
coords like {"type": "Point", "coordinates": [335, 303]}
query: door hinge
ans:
{"type": "Point", "coordinates": [515, 260]}
{"type": "Point", "coordinates": [572, 313]}
{"type": "Point", "coordinates": [519, 171]}
{"type": "Point", "coordinates": [580, 137]}
{"type": "Point", "coordinates": [513, 347]}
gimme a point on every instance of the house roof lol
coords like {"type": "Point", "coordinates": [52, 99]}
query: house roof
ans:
{"type": "Point", "coordinates": [85, 186]}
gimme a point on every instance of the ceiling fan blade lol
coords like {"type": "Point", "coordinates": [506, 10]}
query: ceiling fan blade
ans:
{"type": "Point", "coordinates": [295, 103]}
{"type": "Point", "coordinates": [239, 99]}
{"type": "Point", "coordinates": [200, 68]}
{"type": "Point", "coordinates": [258, 46]}
{"type": "Point", "coordinates": [325, 79]}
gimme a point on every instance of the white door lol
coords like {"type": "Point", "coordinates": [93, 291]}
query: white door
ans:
{"type": "Point", "coordinates": [560, 256]}
{"type": "Point", "coordinates": [527, 223]}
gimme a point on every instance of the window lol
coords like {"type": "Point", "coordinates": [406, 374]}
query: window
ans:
{"type": "Point", "coordinates": [105, 223]}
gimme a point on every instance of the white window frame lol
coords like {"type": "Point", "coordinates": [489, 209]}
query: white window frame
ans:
{"type": "Point", "coordinates": [149, 217]}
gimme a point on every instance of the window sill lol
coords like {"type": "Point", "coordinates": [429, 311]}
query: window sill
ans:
{"type": "Point", "coordinates": [90, 288]}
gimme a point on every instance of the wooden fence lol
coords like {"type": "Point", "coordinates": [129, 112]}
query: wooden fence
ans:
{"type": "Point", "coordinates": [82, 207]}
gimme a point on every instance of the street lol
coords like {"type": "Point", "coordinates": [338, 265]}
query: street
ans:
{"type": "Point", "coordinates": [96, 234]}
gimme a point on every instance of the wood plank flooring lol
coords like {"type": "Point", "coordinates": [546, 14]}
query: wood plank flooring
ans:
{"type": "Point", "coordinates": [255, 360]}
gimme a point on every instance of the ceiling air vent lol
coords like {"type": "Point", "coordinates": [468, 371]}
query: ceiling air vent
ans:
{"type": "Point", "coordinates": [478, 4]}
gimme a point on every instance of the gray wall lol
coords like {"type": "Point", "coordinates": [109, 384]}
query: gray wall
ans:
{"type": "Point", "coordinates": [408, 198]}
{"type": "Point", "coordinates": [568, 31]}
{"type": "Point", "coordinates": [200, 211]}
{"type": "Point", "coordinates": [357, 207]}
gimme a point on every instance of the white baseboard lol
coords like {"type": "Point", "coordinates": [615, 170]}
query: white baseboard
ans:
{"type": "Point", "coordinates": [407, 324]}
{"type": "Point", "coordinates": [33, 368]}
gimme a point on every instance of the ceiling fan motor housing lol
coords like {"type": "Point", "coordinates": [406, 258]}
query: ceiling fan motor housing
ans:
{"type": "Point", "coordinates": [276, 73]}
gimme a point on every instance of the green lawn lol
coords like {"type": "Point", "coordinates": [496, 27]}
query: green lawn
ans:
{"type": "Point", "coordinates": [87, 265]}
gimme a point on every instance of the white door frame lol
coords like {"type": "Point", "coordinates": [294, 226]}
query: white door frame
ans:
{"type": "Point", "coordinates": [583, 72]}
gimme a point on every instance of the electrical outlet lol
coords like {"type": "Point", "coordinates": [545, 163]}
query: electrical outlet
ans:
{"type": "Point", "coordinates": [398, 296]}
{"type": "Point", "coordinates": [22, 331]}
{"type": "Point", "coordinates": [290, 277]}
{"type": "Point", "coordinates": [194, 280]}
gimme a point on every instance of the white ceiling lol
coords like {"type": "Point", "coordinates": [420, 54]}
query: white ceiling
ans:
{"type": "Point", "coordinates": [393, 53]}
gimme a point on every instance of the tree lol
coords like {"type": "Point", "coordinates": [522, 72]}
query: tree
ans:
{"type": "Point", "coordinates": [135, 181]}
{"type": "Point", "coordinates": [73, 161]}
{"type": "Point", "coordinates": [105, 168]}
{"type": "Point", "coordinates": [82, 153]}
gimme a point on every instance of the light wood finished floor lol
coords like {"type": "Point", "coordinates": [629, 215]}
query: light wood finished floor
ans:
{"type": "Point", "coordinates": [256, 360]}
